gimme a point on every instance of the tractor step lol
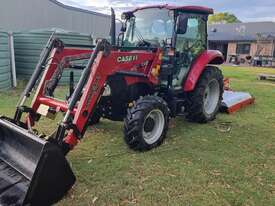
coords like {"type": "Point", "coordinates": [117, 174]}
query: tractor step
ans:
{"type": "Point", "coordinates": [32, 171]}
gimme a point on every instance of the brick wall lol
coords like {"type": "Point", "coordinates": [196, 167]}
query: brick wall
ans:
{"type": "Point", "coordinates": [267, 49]}
{"type": "Point", "coordinates": [253, 49]}
{"type": "Point", "coordinates": [231, 49]}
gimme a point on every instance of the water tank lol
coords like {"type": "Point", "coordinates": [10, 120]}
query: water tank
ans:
{"type": "Point", "coordinates": [28, 46]}
{"type": "Point", "coordinates": [5, 65]}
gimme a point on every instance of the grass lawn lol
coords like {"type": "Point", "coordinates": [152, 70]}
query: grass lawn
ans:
{"type": "Point", "coordinates": [230, 161]}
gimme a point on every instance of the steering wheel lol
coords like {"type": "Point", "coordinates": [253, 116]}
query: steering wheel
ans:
{"type": "Point", "coordinates": [196, 43]}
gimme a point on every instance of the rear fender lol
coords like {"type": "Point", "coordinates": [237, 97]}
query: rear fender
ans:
{"type": "Point", "coordinates": [199, 64]}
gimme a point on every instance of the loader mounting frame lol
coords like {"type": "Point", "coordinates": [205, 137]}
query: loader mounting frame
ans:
{"type": "Point", "coordinates": [104, 62]}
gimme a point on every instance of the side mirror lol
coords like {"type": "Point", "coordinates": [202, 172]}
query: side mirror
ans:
{"type": "Point", "coordinates": [181, 25]}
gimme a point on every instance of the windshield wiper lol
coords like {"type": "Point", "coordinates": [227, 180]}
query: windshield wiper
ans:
{"type": "Point", "coordinates": [141, 40]}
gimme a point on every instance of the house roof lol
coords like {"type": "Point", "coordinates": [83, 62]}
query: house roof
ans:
{"type": "Point", "coordinates": [196, 9]}
{"type": "Point", "coordinates": [240, 31]}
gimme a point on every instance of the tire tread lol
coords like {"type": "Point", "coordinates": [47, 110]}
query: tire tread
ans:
{"type": "Point", "coordinates": [134, 121]}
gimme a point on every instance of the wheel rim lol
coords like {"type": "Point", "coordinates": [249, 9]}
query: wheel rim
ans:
{"type": "Point", "coordinates": [153, 126]}
{"type": "Point", "coordinates": [211, 96]}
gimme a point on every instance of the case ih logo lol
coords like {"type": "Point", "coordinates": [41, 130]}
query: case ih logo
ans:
{"type": "Point", "coordinates": [122, 59]}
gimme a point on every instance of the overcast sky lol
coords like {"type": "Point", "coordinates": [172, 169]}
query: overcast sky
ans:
{"type": "Point", "coordinates": [245, 10]}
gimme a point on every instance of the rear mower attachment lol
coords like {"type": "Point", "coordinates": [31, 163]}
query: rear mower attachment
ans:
{"type": "Point", "coordinates": [233, 101]}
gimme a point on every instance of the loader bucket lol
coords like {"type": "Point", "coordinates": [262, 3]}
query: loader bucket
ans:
{"type": "Point", "coordinates": [32, 171]}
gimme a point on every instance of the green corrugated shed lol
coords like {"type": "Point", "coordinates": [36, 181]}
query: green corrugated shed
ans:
{"type": "Point", "coordinates": [29, 45]}
{"type": "Point", "coordinates": [5, 66]}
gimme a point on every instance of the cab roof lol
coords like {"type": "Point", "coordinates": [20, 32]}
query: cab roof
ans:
{"type": "Point", "coordinates": [196, 9]}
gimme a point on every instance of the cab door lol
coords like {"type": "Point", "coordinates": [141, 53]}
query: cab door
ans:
{"type": "Point", "coordinates": [189, 45]}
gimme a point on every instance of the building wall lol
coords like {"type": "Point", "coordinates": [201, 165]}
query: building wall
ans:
{"type": "Point", "coordinates": [253, 49]}
{"type": "Point", "coordinates": [231, 49]}
{"type": "Point", "coordinates": [35, 14]}
{"type": "Point", "coordinates": [221, 46]}
{"type": "Point", "coordinates": [267, 49]}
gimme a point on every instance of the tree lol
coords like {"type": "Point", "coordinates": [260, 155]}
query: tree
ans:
{"type": "Point", "coordinates": [223, 18]}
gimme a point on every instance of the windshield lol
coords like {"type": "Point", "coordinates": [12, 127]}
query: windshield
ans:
{"type": "Point", "coordinates": [149, 25]}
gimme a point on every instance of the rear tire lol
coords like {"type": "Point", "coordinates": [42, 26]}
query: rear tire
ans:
{"type": "Point", "coordinates": [146, 123]}
{"type": "Point", "coordinates": [204, 102]}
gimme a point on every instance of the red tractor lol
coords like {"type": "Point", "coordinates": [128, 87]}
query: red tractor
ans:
{"type": "Point", "coordinates": [157, 68]}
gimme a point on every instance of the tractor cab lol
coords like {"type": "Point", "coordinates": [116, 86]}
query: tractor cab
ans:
{"type": "Point", "coordinates": [181, 32]}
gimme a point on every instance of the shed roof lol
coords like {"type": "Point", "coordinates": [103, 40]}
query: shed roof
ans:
{"type": "Point", "coordinates": [240, 31]}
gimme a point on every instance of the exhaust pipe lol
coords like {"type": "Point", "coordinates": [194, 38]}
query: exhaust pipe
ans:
{"type": "Point", "coordinates": [113, 28]}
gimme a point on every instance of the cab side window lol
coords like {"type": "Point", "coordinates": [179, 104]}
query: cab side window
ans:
{"type": "Point", "coordinates": [194, 40]}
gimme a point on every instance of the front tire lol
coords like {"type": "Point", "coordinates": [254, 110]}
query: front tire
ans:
{"type": "Point", "coordinates": [95, 118]}
{"type": "Point", "coordinates": [204, 102]}
{"type": "Point", "coordinates": [146, 123]}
